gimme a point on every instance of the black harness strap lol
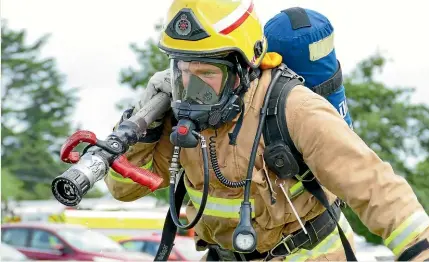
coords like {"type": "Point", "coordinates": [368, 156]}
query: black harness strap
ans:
{"type": "Point", "coordinates": [331, 85]}
{"type": "Point", "coordinates": [316, 190]}
{"type": "Point", "coordinates": [414, 251]}
{"type": "Point", "coordinates": [170, 229]}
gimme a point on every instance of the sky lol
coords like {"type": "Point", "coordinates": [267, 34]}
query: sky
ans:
{"type": "Point", "coordinates": [90, 41]}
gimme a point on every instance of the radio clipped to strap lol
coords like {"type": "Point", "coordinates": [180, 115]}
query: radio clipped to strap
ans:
{"type": "Point", "coordinates": [278, 156]}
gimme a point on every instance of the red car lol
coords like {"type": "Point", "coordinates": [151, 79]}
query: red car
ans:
{"type": "Point", "coordinates": [50, 241]}
{"type": "Point", "coordinates": [183, 250]}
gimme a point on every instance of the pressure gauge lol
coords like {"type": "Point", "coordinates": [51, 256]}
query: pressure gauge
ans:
{"type": "Point", "coordinates": [244, 241]}
{"type": "Point", "coordinates": [244, 236]}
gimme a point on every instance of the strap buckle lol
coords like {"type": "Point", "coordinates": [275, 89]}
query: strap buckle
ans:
{"type": "Point", "coordinates": [340, 203]}
{"type": "Point", "coordinates": [284, 242]}
{"type": "Point", "coordinates": [303, 176]}
{"type": "Point", "coordinates": [289, 73]}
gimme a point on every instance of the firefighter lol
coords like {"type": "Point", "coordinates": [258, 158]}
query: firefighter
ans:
{"type": "Point", "coordinates": [219, 74]}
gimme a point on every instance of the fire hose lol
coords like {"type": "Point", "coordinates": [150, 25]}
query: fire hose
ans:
{"type": "Point", "coordinates": [100, 155]}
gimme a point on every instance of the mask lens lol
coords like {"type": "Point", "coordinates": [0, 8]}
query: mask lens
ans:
{"type": "Point", "coordinates": [197, 81]}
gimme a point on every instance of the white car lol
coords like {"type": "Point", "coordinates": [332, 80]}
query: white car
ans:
{"type": "Point", "coordinates": [369, 252]}
{"type": "Point", "coordinates": [8, 253]}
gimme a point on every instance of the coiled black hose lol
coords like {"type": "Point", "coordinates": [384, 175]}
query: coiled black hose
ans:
{"type": "Point", "coordinates": [216, 169]}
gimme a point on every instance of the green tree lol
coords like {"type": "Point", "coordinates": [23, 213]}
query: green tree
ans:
{"type": "Point", "coordinates": [12, 192]}
{"type": "Point", "coordinates": [36, 111]}
{"type": "Point", "coordinates": [150, 60]}
{"type": "Point", "coordinates": [383, 117]}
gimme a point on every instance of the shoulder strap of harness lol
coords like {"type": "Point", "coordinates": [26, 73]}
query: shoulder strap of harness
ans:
{"type": "Point", "coordinates": [281, 155]}
{"type": "Point", "coordinates": [276, 126]}
{"type": "Point", "coordinates": [280, 152]}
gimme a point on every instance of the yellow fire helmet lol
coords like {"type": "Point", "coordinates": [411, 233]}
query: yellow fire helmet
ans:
{"type": "Point", "coordinates": [213, 28]}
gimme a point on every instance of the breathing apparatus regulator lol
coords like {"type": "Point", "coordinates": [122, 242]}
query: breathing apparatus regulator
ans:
{"type": "Point", "coordinates": [198, 106]}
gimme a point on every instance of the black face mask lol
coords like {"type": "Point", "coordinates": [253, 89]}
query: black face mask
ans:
{"type": "Point", "coordinates": [199, 92]}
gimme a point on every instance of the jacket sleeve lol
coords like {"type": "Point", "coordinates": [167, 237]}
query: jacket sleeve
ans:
{"type": "Point", "coordinates": [153, 153]}
{"type": "Point", "coordinates": [347, 167]}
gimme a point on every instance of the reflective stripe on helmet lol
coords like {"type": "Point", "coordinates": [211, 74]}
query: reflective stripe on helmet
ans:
{"type": "Point", "coordinates": [234, 19]}
{"type": "Point", "coordinates": [331, 243]}
{"type": "Point", "coordinates": [407, 231]}
{"type": "Point", "coordinates": [218, 207]}
{"type": "Point", "coordinates": [119, 178]}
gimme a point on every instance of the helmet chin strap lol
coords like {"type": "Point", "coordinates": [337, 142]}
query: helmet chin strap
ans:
{"type": "Point", "coordinates": [244, 80]}
{"type": "Point", "coordinates": [233, 136]}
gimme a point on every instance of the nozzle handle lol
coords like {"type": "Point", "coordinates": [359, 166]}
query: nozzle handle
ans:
{"type": "Point", "coordinates": [67, 154]}
{"type": "Point", "coordinates": [138, 175]}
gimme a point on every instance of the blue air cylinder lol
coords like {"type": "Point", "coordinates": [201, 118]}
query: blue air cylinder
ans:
{"type": "Point", "coordinates": [305, 40]}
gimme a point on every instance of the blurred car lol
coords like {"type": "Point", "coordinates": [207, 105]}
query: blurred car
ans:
{"type": "Point", "coordinates": [8, 253]}
{"type": "Point", "coordinates": [53, 241]}
{"type": "Point", "coordinates": [183, 249]}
